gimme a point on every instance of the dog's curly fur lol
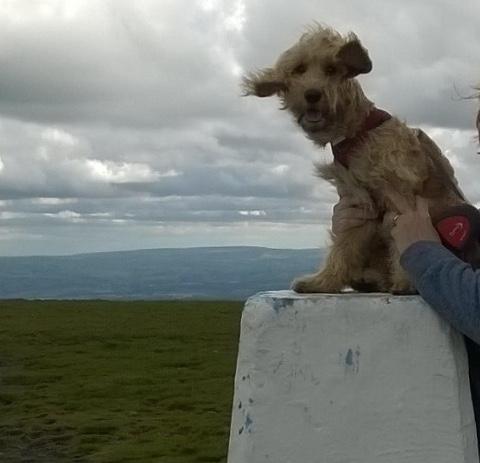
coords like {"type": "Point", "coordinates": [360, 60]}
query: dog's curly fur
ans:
{"type": "Point", "coordinates": [315, 80]}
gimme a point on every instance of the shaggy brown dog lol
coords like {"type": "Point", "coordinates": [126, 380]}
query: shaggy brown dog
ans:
{"type": "Point", "coordinates": [377, 157]}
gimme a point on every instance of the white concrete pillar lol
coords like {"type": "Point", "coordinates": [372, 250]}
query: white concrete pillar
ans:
{"type": "Point", "coordinates": [351, 378]}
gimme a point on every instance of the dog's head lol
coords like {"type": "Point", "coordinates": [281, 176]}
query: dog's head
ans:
{"type": "Point", "coordinates": [315, 81]}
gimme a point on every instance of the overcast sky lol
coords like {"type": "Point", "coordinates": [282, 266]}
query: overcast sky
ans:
{"type": "Point", "coordinates": [122, 125]}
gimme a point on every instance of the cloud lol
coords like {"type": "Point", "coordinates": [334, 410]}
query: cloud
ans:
{"type": "Point", "coordinates": [151, 64]}
{"type": "Point", "coordinates": [122, 121]}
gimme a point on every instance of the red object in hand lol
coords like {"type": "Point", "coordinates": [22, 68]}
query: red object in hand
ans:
{"type": "Point", "coordinates": [458, 227]}
{"type": "Point", "coordinates": [455, 230]}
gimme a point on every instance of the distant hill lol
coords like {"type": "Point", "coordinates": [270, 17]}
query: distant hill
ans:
{"type": "Point", "coordinates": [200, 273]}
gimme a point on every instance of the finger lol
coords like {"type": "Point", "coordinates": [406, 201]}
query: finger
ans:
{"type": "Point", "coordinates": [422, 206]}
{"type": "Point", "coordinates": [355, 213]}
{"type": "Point", "coordinates": [347, 202]}
{"type": "Point", "coordinates": [360, 213]}
{"type": "Point", "coordinates": [369, 215]}
{"type": "Point", "coordinates": [347, 224]}
{"type": "Point", "coordinates": [354, 204]}
{"type": "Point", "coordinates": [389, 219]}
{"type": "Point", "coordinates": [399, 202]}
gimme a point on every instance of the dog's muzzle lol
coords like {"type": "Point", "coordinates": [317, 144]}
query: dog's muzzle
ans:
{"type": "Point", "coordinates": [312, 120]}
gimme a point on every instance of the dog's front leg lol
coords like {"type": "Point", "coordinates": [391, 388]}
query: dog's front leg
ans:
{"type": "Point", "coordinates": [345, 264]}
{"type": "Point", "coordinates": [401, 283]}
{"type": "Point", "coordinates": [332, 279]}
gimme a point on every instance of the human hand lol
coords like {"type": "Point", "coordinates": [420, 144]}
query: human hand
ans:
{"type": "Point", "coordinates": [350, 213]}
{"type": "Point", "coordinates": [412, 225]}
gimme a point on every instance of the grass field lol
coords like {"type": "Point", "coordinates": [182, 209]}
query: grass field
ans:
{"type": "Point", "coordinates": [116, 381]}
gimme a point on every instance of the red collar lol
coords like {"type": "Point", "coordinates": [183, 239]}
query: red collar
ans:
{"type": "Point", "coordinates": [342, 150]}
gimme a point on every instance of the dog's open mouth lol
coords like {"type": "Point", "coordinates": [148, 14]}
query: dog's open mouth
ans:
{"type": "Point", "coordinates": [312, 120]}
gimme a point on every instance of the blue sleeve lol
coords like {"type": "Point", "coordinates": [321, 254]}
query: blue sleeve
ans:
{"type": "Point", "coordinates": [448, 285]}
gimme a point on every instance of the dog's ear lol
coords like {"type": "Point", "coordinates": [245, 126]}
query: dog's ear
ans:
{"type": "Point", "coordinates": [354, 58]}
{"type": "Point", "coordinates": [262, 83]}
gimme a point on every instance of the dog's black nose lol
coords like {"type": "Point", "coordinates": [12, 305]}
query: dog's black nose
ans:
{"type": "Point", "coordinates": [312, 95]}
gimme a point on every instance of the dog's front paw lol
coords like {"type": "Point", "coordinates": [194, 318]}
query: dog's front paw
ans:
{"type": "Point", "coordinates": [404, 289]}
{"type": "Point", "coordinates": [317, 283]}
{"type": "Point", "coordinates": [301, 285]}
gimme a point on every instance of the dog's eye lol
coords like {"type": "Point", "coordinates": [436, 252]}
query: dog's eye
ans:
{"type": "Point", "coordinates": [300, 69]}
{"type": "Point", "coordinates": [330, 70]}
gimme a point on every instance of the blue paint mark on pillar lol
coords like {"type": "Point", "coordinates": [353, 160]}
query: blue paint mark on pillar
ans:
{"type": "Point", "coordinates": [248, 423]}
{"type": "Point", "coordinates": [349, 358]}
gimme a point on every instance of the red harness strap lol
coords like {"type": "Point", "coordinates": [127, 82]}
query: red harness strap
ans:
{"type": "Point", "coordinates": [342, 151]}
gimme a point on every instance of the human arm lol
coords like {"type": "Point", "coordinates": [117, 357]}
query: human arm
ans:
{"type": "Point", "coordinates": [448, 285]}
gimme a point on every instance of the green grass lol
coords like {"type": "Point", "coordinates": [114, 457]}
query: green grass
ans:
{"type": "Point", "coordinates": [100, 382]}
